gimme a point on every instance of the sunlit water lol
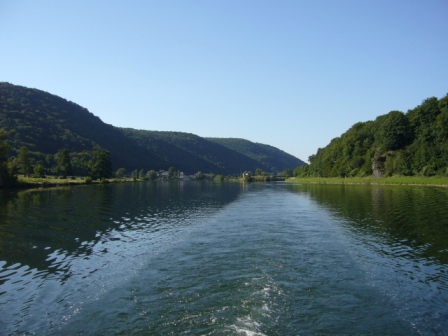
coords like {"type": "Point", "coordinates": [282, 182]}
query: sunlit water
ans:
{"type": "Point", "coordinates": [224, 259]}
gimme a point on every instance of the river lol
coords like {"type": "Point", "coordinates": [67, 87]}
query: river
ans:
{"type": "Point", "coordinates": [198, 258]}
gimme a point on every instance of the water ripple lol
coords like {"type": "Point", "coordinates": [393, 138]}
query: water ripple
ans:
{"type": "Point", "coordinates": [193, 259]}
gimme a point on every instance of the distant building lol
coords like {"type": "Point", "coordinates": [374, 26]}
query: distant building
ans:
{"type": "Point", "coordinates": [163, 174]}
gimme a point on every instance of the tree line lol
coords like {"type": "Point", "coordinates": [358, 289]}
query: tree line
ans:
{"type": "Point", "coordinates": [397, 143]}
{"type": "Point", "coordinates": [96, 164]}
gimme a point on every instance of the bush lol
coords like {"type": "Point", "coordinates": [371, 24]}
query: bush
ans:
{"type": "Point", "coordinates": [88, 180]}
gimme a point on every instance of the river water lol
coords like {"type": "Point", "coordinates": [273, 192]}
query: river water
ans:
{"type": "Point", "coordinates": [189, 258]}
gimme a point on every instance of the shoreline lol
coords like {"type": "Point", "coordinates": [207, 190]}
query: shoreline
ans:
{"type": "Point", "coordinates": [42, 183]}
{"type": "Point", "coordinates": [402, 180]}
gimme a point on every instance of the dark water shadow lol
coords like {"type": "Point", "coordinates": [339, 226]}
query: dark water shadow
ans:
{"type": "Point", "coordinates": [37, 227]}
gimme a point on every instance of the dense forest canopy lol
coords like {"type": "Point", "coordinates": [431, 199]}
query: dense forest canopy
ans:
{"type": "Point", "coordinates": [37, 125]}
{"type": "Point", "coordinates": [212, 154]}
{"type": "Point", "coordinates": [270, 157]}
{"type": "Point", "coordinates": [46, 123]}
{"type": "Point", "coordinates": [397, 143]}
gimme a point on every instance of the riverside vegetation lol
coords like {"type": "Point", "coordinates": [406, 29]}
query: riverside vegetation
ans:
{"type": "Point", "coordinates": [42, 135]}
{"type": "Point", "coordinates": [39, 129]}
{"type": "Point", "coordinates": [412, 144]}
{"type": "Point", "coordinates": [392, 180]}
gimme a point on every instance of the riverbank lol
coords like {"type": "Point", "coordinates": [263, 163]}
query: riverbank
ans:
{"type": "Point", "coordinates": [394, 180]}
{"type": "Point", "coordinates": [49, 181]}
{"type": "Point", "coordinates": [31, 182]}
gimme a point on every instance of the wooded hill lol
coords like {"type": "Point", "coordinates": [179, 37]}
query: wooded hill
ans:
{"type": "Point", "coordinates": [269, 156]}
{"type": "Point", "coordinates": [45, 123]}
{"type": "Point", "coordinates": [397, 143]}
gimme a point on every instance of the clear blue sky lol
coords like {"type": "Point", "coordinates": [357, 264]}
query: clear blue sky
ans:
{"type": "Point", "coordinates": [292, 74]}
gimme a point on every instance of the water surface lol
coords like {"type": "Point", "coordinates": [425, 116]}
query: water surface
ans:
{"type": "Point", "coordinates": [224, 259]}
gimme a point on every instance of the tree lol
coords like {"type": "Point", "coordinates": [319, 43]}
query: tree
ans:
{"type": "Point", "coordinates": [63, 164]}
{"type": "Point", "coordinates": [102, 166]}
{"type": "Point", "coordinates": [199, 176]}
{"type": "Point", "coordinates": [394, 131]}
{"type": "Point", "coordinates": [24, 160]}
{"type": "Point", "coordinates": [172, 173]}
{"type": "Point", "coordinates": [151, 175]}
{"type": "Point", "coordinates": [258, 172]}
{"type": "Point", "coordinates": [49, 160]}
{"type": "Point", "coordinates": [7, 178]}
{"type": "Point", "coordinates": [288, 172]}
{"type": "Point", "coordinates": [141, 174]}
{"type": "Point", "coordinates": [39, 170]}
{"type": "Point", "coordinates": [134, 174]}
{"type": "Point", "coordinates": [121, 172]}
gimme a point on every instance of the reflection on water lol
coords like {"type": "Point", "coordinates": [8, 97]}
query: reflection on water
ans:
{"type": "Point", "coordinates": [399, 236]}
{"type": "Point", "coordinates": [38, 226]}
{"type": "Point", "coordinates": [416, 217]}
{"type": "Point", "coordinates": [85, 234]}
{"type": "Point", "coordinates": [229, 259]}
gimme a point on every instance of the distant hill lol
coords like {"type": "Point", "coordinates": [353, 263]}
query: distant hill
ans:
{"type": "Point", "coordinates": [195, 153]}
{"type": "Point", "coordinates": [396, 143]}
{"type": "Point", "coordinates": [269, 158]}
{"type": "Point", "coordinates": [46, 123]}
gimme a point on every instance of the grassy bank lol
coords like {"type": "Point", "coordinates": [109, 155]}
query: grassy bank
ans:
{"type": "Point", "coordinates": [31, 182]}
{"type": "Point", "coordinates": [394, 180]}
{"type": "Point", "coordinates": [48, 181]}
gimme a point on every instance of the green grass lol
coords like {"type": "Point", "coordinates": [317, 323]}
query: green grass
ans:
{"type": "Point", "coordinates": [49, 180]}
{"type": "Point", "coordinates": [53, 181]}
{"type": "Point", "coordinates": [396, 180]}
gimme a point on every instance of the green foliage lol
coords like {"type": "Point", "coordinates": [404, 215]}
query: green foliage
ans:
{"type": "Point", "coordinates": [7, 177]}
{"type": "Point", "coordinates": [219, 178]}
{"type": "Point", "coordinates": [141, 174]}
{"type": "Point", "coordinates": [151, 175]}
{"type": "Point", "coordinates": [39, 171]}
{"type": "Point", "coordinates": [259, 172]}
{"type": "Point", "coordinates": [102, 164]}
{"type": "Point", "coordinates": [192, 153]}
{"type": "Point", "coordinates": [121, 172]}
{"type": "Point", "coordinates": [134, 174]}
{"type": "Point", "coordinates": [173, 173]}
{"type": "Point", "coordinates": [395, 180]}
{"type": "Point", "coordinates": [268, 158]}
{"type": "Point", "coordinates": [63, 163]}
{"type": "Point", "coordinates": [24, 160]}
{"type": "Point", "coordinates": [199, 176]}
{"type": "Point", "coordinates": [394, 131]}
{"type": "Point", "coordinates": [288, 172]}
{"type": "Point", "coordinates": [408, 144]}
{"type": "Point", "coordinates": [45, 123]}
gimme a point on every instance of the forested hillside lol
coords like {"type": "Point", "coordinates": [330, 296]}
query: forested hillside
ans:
{"type": "Point", "coordinates": [41, 124]}
{"type": "Point", "coordinates": [270, 157]}
{"type": "Point", "coordinates": [397, 143]}
{"type": "Point", "coordinates": [45, 123]}
{"type": "Point", "coordinates": [195, 153]}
